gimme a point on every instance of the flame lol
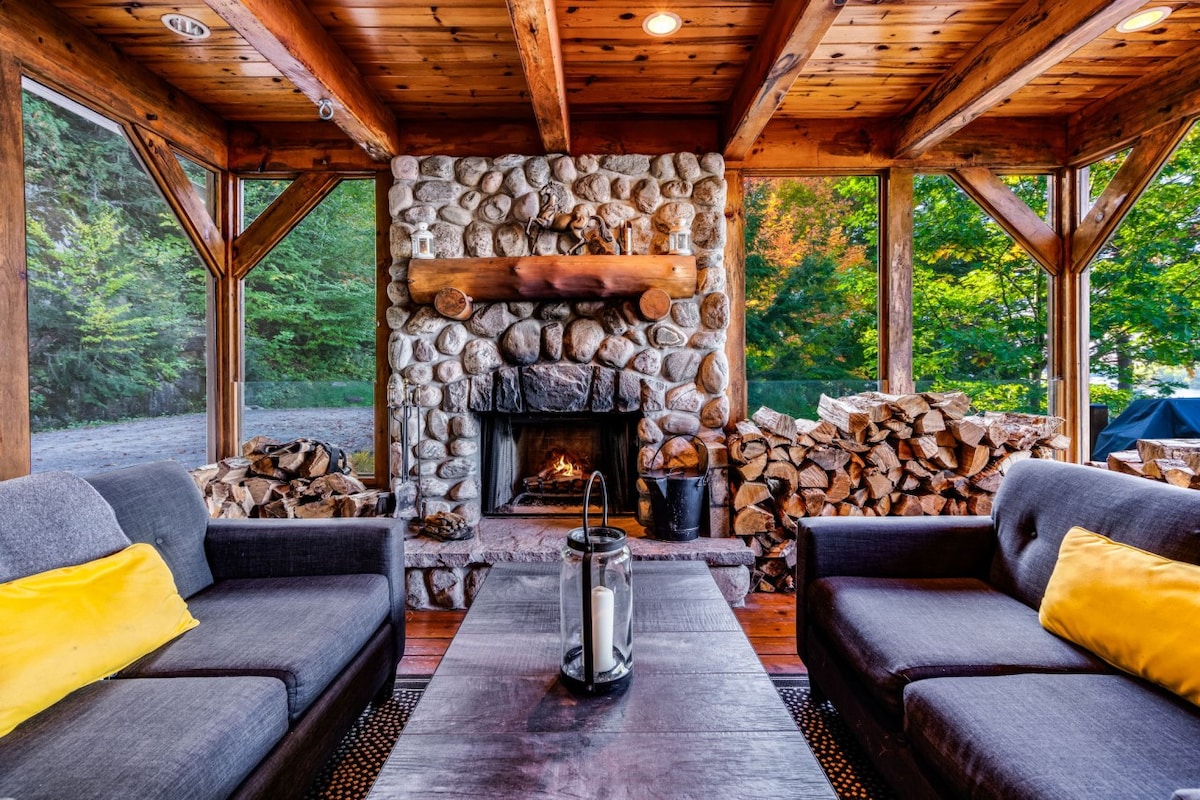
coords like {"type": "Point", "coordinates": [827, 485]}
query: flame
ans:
{"type": "Point", "coordinates": [563, 467]}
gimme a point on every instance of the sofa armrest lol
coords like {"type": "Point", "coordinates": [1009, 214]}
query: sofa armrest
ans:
{"type": "Point", "coordinates": [254, 548]}
{"type": "Point", "coordinates": [888, 547]}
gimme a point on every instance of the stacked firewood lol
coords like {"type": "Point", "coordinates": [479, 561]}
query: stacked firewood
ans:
{"type": "Point", "coordinates": [872, 455]}
{"type": "Point", "coordinates": [1173, 461]}
{"type": "Point", "coordinates": [302, 479]}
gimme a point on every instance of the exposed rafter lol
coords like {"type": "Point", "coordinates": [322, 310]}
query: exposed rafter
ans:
{"type": "Point", "coordinates": [1166, 95]}
{"type": "Point", "coordinates": [181, 196]}
{"type": "Point", "coordinates": [1114, 203]}
{"type": "Point", "coordinates": [271, 226]}
{"type": "Point", "coordinates": [535, 24]}
{"type": "Point", "coordinates": [1011, 213]}
{"type": "Point", "coordinates": [1039, 35]}
{"type": "Point", "coordinates": [793, 31]}
{"type": "Point", "coordinates": [287, 34]}
{"type": "Point", "coordinates": [52, 47]}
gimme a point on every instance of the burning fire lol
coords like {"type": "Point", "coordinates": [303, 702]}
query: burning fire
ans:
{"type": "Point", "coordinates": [561, 465]}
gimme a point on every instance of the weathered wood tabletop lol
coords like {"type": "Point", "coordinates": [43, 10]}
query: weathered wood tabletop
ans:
{"type": "Point", "coordinates": [701, 719]}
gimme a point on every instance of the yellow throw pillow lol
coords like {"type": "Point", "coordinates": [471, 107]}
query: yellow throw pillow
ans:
{"type": "Point", "coordinates": [68, 627]}
{"type": "Point", "coordinates": [1138, 611]}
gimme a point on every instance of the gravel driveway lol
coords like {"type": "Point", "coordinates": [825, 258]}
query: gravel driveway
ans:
{"type": "Point", "coordinates": [183, 438]}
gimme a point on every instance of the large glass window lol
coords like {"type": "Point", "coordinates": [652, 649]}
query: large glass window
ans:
{"type": "Point", "coordinates": [1145, 288]}
{"type": "Point", "coordinates": [310, 325]}
{"type": "Point", "coordinates": [979, 300]}
{"type": "Point", "coordinates": [811, 290]}
{"type": "Point", "coordinates": [117, 363]}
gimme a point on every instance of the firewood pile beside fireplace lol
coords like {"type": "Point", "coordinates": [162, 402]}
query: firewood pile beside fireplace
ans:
{"type": "Point", "coordinates": [302, 479]}
{"type": "Point", "coordinates": [871, 455]}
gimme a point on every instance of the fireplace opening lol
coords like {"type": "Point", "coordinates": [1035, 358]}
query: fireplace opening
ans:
{"type": "Point", "coordinates": [538, 464]}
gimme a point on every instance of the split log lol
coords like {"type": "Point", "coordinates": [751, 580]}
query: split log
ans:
{"type": "Point", "coordinates": [751, 520]}
{"type": "Point", "coordinates": [750, 493]}
{"type": "Point", "coordinates": [773, 421]}
{"type": "Point", "coordinates": [1185, 450]}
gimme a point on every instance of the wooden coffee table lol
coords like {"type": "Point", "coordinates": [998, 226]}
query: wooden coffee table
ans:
{"type": "Point", "coordinates": [701, 719]}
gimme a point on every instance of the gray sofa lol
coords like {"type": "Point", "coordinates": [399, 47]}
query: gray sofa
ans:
{"type": "Point", "coordinates": [301, 626]}
{"type": "Point", "coordinates": [924, 634]}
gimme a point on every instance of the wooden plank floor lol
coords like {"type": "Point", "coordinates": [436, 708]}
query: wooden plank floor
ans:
{"type": "Point", "coordinates": [769, 621]}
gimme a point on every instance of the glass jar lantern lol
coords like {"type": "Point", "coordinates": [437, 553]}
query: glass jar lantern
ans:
{"type": "Point", "coordinates": [422, 242]}
{"type": "Point", "coordinates": [596, 604]}
{"type": "Point", "coordinates": [679, 241]}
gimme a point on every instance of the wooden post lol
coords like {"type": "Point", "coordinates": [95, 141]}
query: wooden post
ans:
{"type": "Point", "coordinates": [225, 339]}
{"type": "Point", "coordinates": [1067, 364]}
{"type": "Point", "coordinates": [383, 276]}
{"type": "Point", "coordinates": [14, 310]}
{"type": "Point", "coordinates": [896, 281]}
{"type": "Point", "coordinates": [735, 289]}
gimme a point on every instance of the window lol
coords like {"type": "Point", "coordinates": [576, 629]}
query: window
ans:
{"type": "Point", "coordinates": [310, 326]}
{"type": "Point", "coordinates": [811, 290]}
{"type": "Point", "coordinates": [979, 300]}
{"type": "Point", "coordinates": [117, 298]}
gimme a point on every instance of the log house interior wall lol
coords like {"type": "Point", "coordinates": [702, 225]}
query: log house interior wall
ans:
{"type": "Point", "coordinates": [40, 41]}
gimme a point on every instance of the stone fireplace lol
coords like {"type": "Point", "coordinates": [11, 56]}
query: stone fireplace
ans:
{"type": "Point", "coordinates": [521, 370]}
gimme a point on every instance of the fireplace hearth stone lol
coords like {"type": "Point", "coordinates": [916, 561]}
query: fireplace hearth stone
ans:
{"type": "Point", "coordinates": [446, 575]}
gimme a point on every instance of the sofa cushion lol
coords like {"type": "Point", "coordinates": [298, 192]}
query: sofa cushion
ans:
{"type": "Point", "coordinates": [52, 520]}
{"type": "Point", "coordinates": [1136, 610]}
{"type": "Point", "coordinates": [71, 626]}
{"type": "Point", "coordinates": [159, 504]}
{"type": "Point", "coordinates": [180, 739]}
{"type": "Point", "coordinates": [303, 631]}
{"type": "Point", "coordinates": [1054, 737]}
{"type": "Point", "coordinates": [893, 631]}
{"type": "Point", "coordinates": [1040, 500]}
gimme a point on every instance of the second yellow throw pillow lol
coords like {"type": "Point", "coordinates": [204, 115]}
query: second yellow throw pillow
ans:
{"type": "Point", "coordinates": [1138, 611]}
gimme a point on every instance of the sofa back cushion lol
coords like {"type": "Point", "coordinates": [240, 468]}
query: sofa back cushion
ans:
{"type": "Point", "coordinates": [52, 520]}
{"type": "Point", "coordinates": [159, 504]}
{"type": "Point", "coordinates": [1040, 500]}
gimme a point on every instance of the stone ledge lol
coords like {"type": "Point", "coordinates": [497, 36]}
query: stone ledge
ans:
{"type": "Point", "coordinates": [541, 539]}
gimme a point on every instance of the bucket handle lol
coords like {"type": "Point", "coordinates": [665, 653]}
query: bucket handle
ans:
{"type": "Point", "coordinates": [697, 445]}
{"type": "Point", "coordinates": [587, 502]}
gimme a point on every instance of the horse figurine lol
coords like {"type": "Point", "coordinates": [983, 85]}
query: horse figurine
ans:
{"type": "Point", "coordinates": [577, 224]}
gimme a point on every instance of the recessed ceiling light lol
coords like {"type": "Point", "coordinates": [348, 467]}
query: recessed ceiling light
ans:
{"type": "Point", "coordinates": [662, 23]}
{"type": "Point", "coordinates": [1144, 19]}
{"type": "Point", "coordinates": [186, 26]}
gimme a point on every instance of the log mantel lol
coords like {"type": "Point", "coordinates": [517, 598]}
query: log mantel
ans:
{"type": "Point", "coordinates": [552, 277]}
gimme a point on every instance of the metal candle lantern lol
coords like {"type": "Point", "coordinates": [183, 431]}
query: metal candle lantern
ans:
{"type": "Point", "coordinates": [679, 241]}
{"type": "Point", "coordinates": [422, 242]}
{"type": "Point", "coordinates": [596, 604]}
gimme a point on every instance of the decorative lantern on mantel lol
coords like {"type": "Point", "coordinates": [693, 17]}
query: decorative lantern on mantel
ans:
{"type": "Point", "coordinates": [679, 240]}
{"type": "Point", "coordinates": [596, 604]}
{"type": "Point", "coordinates": [422, 242]}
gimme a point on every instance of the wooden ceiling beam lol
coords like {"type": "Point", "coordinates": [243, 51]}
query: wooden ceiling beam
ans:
{"type": "Point", "coordinates": [1039, 35]}
{"type": "Point", "coordinates": [53, 49]}
{"type": "Point", "coordinates": [291, 38]}
{"type": "Point", "coordinates": [1115, 202]}
{"type": "Point", "coordinates": [1161, 97]}
{"type": "Point", "coordinates": [181, 196]}
{"type": "Point", "coordinates": [535, 24]}
{"type": "Point", "coordinates": [1030, 144]}
{"type": "Point", "coordinates": [286, 212]}
{"type": "Point", "coordinates": [793, 31]}
{"type": "Point", "coordinates": [1012, 213]}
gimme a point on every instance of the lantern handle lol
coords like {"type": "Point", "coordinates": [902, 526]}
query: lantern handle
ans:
{"type": "Point", "coordinates": [587, 502]}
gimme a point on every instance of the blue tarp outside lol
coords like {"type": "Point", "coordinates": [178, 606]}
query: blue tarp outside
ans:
{"type": "Point", "coordinates": [1166, 418]}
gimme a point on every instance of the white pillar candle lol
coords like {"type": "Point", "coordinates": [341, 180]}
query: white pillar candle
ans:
{"type": "Point", "coordinates": [602, 628]}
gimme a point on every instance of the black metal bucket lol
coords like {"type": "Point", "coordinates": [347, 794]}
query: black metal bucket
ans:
{"type": "Point", "coordinates": [677, 495]}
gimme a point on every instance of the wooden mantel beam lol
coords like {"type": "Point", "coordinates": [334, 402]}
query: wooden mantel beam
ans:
{"type": "Point", "coordinates": [291, 38]}
{"type": "Point", "coordinates": [793, 31]}
{"type": "Point", "coordinates": [1039, 35]}
{"type": "Point", "coordinates": [535, 24]}
{"type": "Point", "coordinates": [1165, 95]}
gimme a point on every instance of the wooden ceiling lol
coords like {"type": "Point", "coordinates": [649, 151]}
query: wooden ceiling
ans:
{"type": "Point", "coordinates": [923, 69]}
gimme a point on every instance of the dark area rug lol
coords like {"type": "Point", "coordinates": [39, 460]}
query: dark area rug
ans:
{"type": "Point", "coordinates": [351, 771]}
